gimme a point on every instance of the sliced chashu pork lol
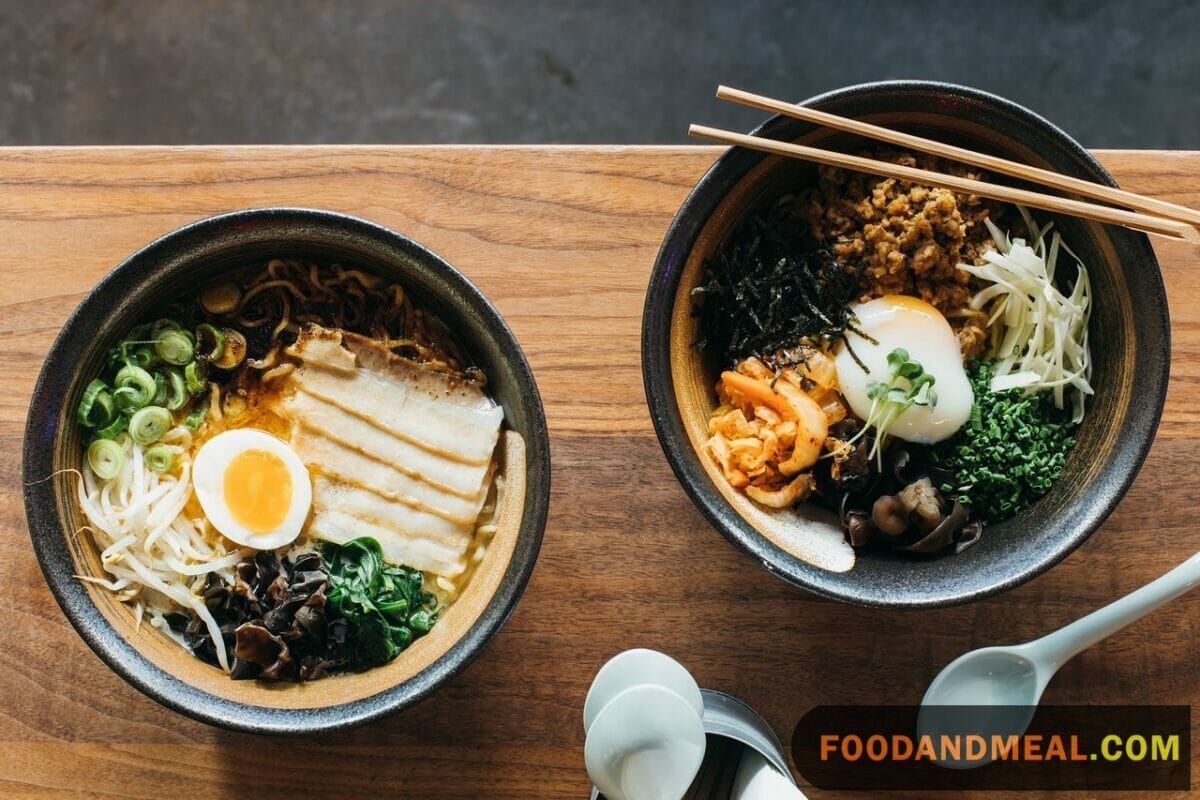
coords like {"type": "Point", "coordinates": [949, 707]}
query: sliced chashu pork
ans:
{"type": "Point", "coordinates": [400, 451]}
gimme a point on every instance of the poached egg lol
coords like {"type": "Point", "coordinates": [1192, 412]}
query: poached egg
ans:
{"type": "Point", "coordinates": [899, 321]}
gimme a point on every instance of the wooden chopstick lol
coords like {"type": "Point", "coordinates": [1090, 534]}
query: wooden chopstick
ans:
{"type": "Point", "coordinates": [1146, 223]}
{"type": "Point", "coordinates": [1045, 177]}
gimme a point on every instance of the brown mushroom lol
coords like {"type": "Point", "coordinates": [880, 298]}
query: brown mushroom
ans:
{"type": "Point", "coordinates": [220, 298]}
{"type": "Point", "coordinates": [312, 620]}
{"type": "Point", "coordinates": [921, 499]}
{"type": "Point", "coordinates": [970, 534]}
{"type": "Point", "coordinates": [859, 528]}
{"type": "Point", "coordinates": [259, 646]}
{"type": "Point", "coordinates": [890, 515]}
{"type": "Point", "coordinates": [234, 352]}
{"type": "Point", "coordinates": [942, 535]}
{"type": "Point", "coordinates": [273, 620]}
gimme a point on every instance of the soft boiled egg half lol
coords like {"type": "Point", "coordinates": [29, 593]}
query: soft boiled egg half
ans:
{"type": "Point", "coordinates": [899, 321]}
{"type": "Point", "coordinates": [253, 488]}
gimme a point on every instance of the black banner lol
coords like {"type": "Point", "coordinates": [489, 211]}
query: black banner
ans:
{"type": "Point", "coordinates": [1119, 748]}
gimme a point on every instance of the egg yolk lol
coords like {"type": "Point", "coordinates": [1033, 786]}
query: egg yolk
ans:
{"type": "Point", "coordinates": [258, 490]}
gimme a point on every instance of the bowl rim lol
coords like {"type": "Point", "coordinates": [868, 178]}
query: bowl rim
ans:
{"type": "Point", "coordinates": [658, 381]}
{"type": "Point", "coordinates": [48, 538]}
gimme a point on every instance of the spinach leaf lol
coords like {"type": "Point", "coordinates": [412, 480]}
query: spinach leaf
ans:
{"type": "Point", "coordinates": [385, 606]}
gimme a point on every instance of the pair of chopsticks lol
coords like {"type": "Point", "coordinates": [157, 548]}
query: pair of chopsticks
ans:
{"type": "Point", "coordinates": [1140, 213]}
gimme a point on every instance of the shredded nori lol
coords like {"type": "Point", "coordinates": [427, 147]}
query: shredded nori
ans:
{"type": "Point", "coordinates": [770, 287]}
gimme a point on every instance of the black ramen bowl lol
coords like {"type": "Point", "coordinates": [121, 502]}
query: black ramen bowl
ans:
{"type": "Point", "coordinates": [182, 261]}
{"type": "Point", "coordinates": [1129, 335]}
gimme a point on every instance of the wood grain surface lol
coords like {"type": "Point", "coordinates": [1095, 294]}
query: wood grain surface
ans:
{"type": "Point", "coordinates": [562, 240]}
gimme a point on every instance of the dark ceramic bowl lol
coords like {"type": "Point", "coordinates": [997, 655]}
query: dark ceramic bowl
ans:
{"type": "Point", "coordinates": [184, 260]}
{"type": "Point", "coordinates": [1130, 341]}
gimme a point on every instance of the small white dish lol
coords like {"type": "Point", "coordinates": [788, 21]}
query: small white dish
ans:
{"type": "Point", "coordinates": [639, 667]}
{"type": "Point", "coordinates": [646, 743]}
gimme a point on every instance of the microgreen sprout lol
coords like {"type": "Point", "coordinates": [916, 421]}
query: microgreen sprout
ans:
{"type": "Point", "coordinates": [908, 385]}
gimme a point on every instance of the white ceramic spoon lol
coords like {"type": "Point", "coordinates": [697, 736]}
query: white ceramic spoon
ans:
{"type": "Point", "coordinates": [647, 743]}
{"type": "Point", "coordinates": [1017, 675]}
{"type": "Point", "coordinates": [637, 667]}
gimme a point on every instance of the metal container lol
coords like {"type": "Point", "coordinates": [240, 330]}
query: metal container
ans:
{"type": "Point", "coordinates": [730, 718]}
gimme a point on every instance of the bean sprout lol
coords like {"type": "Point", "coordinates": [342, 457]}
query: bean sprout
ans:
{"type": "Point", "coordinates": [150, 549]}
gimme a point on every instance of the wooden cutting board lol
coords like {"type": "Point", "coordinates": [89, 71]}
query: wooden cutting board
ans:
{"type": "Point", "coordinates": [562, 240]}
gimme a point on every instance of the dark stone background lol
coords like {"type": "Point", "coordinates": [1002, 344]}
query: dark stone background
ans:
{"type": "Point", "coordinates": [486, 71]}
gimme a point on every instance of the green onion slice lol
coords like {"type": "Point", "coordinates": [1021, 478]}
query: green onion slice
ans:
{"type": "Point", "coordinates": [106, 458]}
{"type": "Point", "coordinates": [211, 341]}
{"type": "Point", "coordinates": [160, 390]}
{"type": "Point", "coordinates": [141, 356]}
{"type": "Point", "coordinates": [113, 429]}
{"type": "Point", "coordinates": [194, 376]}
{"type": "Point", "coordinates": [135, 388]}
{"type": "Point", "coordinates": [196, 418]}
{"type": "Point", "coordinates": [147, 425]}
{"type": "Point", "coordinates": [174, 346]}
{"type": "Point", "coordinates": [129, 399]}
{"type": "Point", "coordinates": [96, 406]}
{"type": "Point", "coordinates": [126, 353]}
{"type": "Point", "coordinates": [177, 393]}
{"type": "Point", "coordinates": [159, 458]}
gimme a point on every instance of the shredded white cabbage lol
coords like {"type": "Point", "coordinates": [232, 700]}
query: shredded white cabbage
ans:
{"type": "Point", "coordinates": [1041, 341]}
{"type": "Point", "coordinates": [156, 556]}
